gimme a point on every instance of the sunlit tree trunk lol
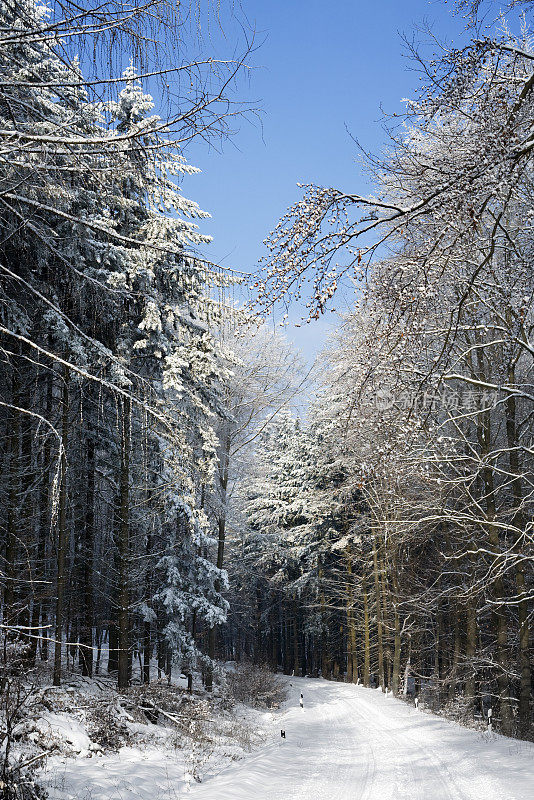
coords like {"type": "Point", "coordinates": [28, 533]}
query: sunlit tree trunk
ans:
{"type": "Point", "coordinates": [381, 674]}
{"type": "Point", "coordinates": [352, 657]}
{"type": "Point", "coordinates": [366, 635]}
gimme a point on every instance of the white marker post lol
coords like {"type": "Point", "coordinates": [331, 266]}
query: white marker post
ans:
{"type": "Point", "coordinates": [302, 701]}
{"type": "Point", "coordinates": [416, 701]}
{"type": "Point", "coordinates": [490, 714]}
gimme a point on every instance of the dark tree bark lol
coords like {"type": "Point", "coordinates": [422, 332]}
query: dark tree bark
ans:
{"type": "Point", "coordinates": [123, 544]}
{"type": "Point", "coordinates": [86, 630]}
{"type": "Point", "coordinates": [61, 531]}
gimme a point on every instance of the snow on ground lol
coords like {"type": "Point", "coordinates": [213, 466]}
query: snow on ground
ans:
{"type": "Point", "coordinates": [130, 774]}
{"type": "Point", "coordinates": [351, 743]}
{"type": "Point", "coordinates": [63, 729]}
{"type": "Point", "coordinates": [157, 762]}
{"type": "Point", "coordinates": [348, 743]}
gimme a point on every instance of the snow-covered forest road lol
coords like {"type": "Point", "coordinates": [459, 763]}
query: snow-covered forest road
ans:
{"type": "Point", "coordinates": [350, 743]}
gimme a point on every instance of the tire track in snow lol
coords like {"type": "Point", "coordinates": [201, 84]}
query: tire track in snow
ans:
{"type": "Point", "coordinates": [403, 783]}
{"type": "Point", "coordinates": [333, 764]}
{"type": "Point", "coordinates": [351, 743]}
{"type": "Point", "coordinates": [471, 785]}
{"type": "Point", "coordinates": [411, 786]}
{"type": "Point", "coordinates": [370, 773]}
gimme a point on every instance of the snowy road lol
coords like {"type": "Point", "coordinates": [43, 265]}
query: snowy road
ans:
{"type": "Point", "coordinates": [351, 743]}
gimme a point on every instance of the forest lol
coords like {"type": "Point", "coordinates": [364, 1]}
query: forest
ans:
{"type": "Point", "coordinates": [168, 501]}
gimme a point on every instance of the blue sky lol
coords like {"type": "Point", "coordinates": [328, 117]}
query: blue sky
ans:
{"type": "Point", "coordinates": [323, 70]}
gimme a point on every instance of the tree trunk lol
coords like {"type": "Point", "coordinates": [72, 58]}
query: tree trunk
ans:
{"type": "Point", "coordinates": [381, 674]}
{"type": "Point", "coordinates": [123, 624]}
{"type": "Point", "coordinates": [408, 667]}
{"type": "Point", "coordinates": [519, 523]}
{"type": "Point", "coordinates": [499, 613]}
{"type": "Point", "coordinates": [12, 505]}
{"type": "Point", "coordinates": [62, 531]}
{"type": "Point", "coordinates": [326, 661]}
{"type": "Point", "coordinates": [352, 659]}
{"type": "Point", "coordinates": [29, 604]}
{"type": "Point", "coordinates": [395, 681]}
{"type": "Point", "coordinates": [471, 648]}
{"type": "Point", "coordinates": [45, 522]}
{"type": "Point", "coordinates": [86, 631]}
{"type": "Point", "coordinates": [221, 525]}
{"type": "Point", "coordinates": [366, 636]}
{"type": "Point", "coordinates": [295, 631]}
{"type": "Point", "coordinates": [456, 652]}
{"type": "Point", "coordinates": [386, 627]}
